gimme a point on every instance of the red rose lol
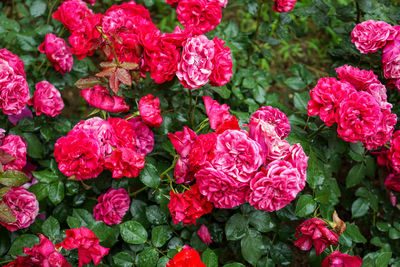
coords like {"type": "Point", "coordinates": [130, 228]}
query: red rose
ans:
{"type": "Point", "coordinates": [124, 135]}
{"type": "Point", "coordinates": [164, 62]}
{"type": "Point", "coordinates": [149, 108]}
{"type": "Point", "coordinates": [144, 136]}
{"type": "Point", "coordinates": [124, 162]}
{"type": "Point", "coordinates": [284, 5]}
{"type": "Point", "coordinates": [188, 257]}
{"type": "Point", "coordinates": [100, 98]}
{"type": "Point", "coordinates": [337, 259]}
{"type": "Point", "coordinates": [58, 52]}
{"type": "Point", "coordinates": [222, 72]}
{"type": "Point", "coordinates": [219, 116]}
{"type": "Point", "coordinates": [71, 14]}
{"type": "Point", "coordinates": [392, 182]}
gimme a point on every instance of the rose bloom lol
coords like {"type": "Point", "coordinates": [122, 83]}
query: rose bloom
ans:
{"type": "Point", "coordinates": [24, 206]}
{"type": "Point", "coordinates": [371, 35]}
{"type": "Point", "coordinates": [222, 62]}
{"type": "Point", "coordinates": [178, 36]}
{"type": "Point", "coordinates": [274, 117]}
{"type": "Point", "coordinates": [47, 100]}
{"type": "Point", "coordinates": [188, 206]}
{"type": "Point", "coordinates": [283, 5]}
{"type": "Point", "coordinates": [326, 97]}
{"type": "Point", "coordinates": [144, 135]}
{"type": "Point", "coordinates": [219, 116]}
{"type": "Point", "coordinates": [182, 171]}
{"type": "Point", "coordinates": [237, 155]}
{"type": "Point", "coordinates": [173, 3]}
{"type": "Point", "coordinates": [123, 134]}
{"type": "Point", "coordinates": [360, 79]}
{"type": "Point", "coordinates": [299, 159]}
{"type": "Point", "coordinates": [196, 63]}
{"type": "Point", "coordinates": [127, 47]}
{"type": "Point", "coordinates": [42, 254]}
{"type": "Point", "coordinates": [188, 257]}
{"type": "Point", "coordinates": [87, 244]}
{"type": "Point", "coordinates": [314, 232]}
{"type": "Point", "coordinates": [392, 182]}
{"type": "Point", "coordinates": [221, 3]}
{"type": "Point", "coordinates": [58, 52]}
{"type": "Point", "coordinates": [100, 98]}
{"type": "Point", "coordinates": [384, 131]}
{"type": "Point", "coordinates": [391, 59]}
{"type": "Point", "coordinates": [112, 206]}
{"type": "Point", "coordinates": [124, 162]}
{"type": "Point", "coordinates": [201, 149]}
{"type": "Point", "coordinates": [71, 14]}
{"type": "Point", "coordinates": [394, 152]}
{"type": "Point", "coordinates": [14, 95]}
{"type": "Point", "coordinates": [149, 108]}
{"type": "Point", "coordinates": [275, 186]}
{"type": "Point", "coordinates": [16, 64]}
{"type": "Point", "coordinates": [15, 146]}
{"type": "Point", "coordinates": [79, 153]}
{"type": "Point", "coordinates": [358, 117]}
{"type": "Point", "coordinates": [337, 259]}
{"type": "Point", "coordinates": [164, 62]}
{"type": "Point", "coordinates": [203, 16]}
{"type": "Point", "coordinates": [204, 234]}
{"type": "Point", "coordinates": [222, 190]}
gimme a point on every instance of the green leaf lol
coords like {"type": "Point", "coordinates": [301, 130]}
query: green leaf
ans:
{"type": "Point", "coordinates": [353, 233]}
{"type": "Point", "coordinates": [315, 171]}
{"type": "Point", "coordinates": [360, 207]}
{"type": "Point", "coordinates": [260, 94]}
{"type": "Point", "coordinates": [133, 232]}
{"type": "Point", "coordinates": [383, 259]}
{"type": "Point", "coordinates": [13, 178]}
{"type": "Point", "coordinates": [236, 227]}
{"type": "Point", "coordinates": [394, 234]}
{"type": "Point", "coordinates": [35, 147]}
{"type": "Point", "coordinates": [149, 175]}
{"type": "Point", "coordinates": [234, 264]}
{"type": "Point", "coordinates": [138, 211]}
{"type": "Point", "coordinates": [223, 91]}
{"type": "Point", "coordinates": [73, 222]}
{"type": "Point", "coordinates": [40, 190]}
{"type": "Point", "coordinates": [123, 259]}
{"type": "Point", "coordinates": [148, 258]}
{"type": "Point", "coordinates": [281, 254]}
{"type": "Point", "coordinates": [38, 8]}
{"type": "Point", "coordinates": [252, 247]}
{"type": "Point", "coordinates": [23, 241]}
{"type": "Point", "coordinates": [160, 235]}
{"type": "Point", "coordinates": [209, 258]}
{"type": "Point", "coordinates": [383, 226]}
{"type": "Point", "coordinates": [45, 176]}
{"type": "Point", "coordinates": [6, 214]}
{"type": "Point", "coordinates": [295, 83]}
{"type": "Point", "coordinates": [300, 101]}
{"type": "Point", "coordinates": [51, 228]}
{"type": "Point", "coordinates": [56, 192]}
{"type": "Point", "coordinates": [84, 216]}
{"type": "Point", "coordinates": [355, 175]}
{"type": "Point", "coordinates": [162, 262]}
{"type": "Point", "coordinates": [155, 215]}
{"type": "Point", "coordinates": [262, 221]}
{"type": "Point", "coordinates": [305, 206]}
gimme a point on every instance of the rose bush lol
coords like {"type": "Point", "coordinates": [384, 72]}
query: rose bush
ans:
{"type": "Point", "coordinates": [199, 133]}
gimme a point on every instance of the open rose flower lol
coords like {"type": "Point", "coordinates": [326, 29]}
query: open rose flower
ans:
{"type": "Point", "coordinates": [14, 95]}
{"type": "Point", "coordinates": [284, 5]}
{"type": "Point", "coordinates": [337, 259]}
{"type": "Point", "coordinates": [391, 58]}
{"type": "Point", "coordinates": [371, 35]}
{"type": "Point", "coordinates": [123, 133]}
{"type": "Point", "coordinates": [314, 232]}
{"type": "Point", "coordinates": [13, 61]}
{"type": "Point", "coordinates": [187, 257]}
{"type": "Point", "coordinates": [393, 155]}
{"type": "Point", "coordinates": [124, 162]}
{"type": "Point", "coordinates": [112, 206]}
{"type": "Point", "coordinates": [100, 98]}
{"type": "Point", "coordinates": [220, 117]}
{"type": "Point", "coordinates": [392, 182]}
{"type": "Point", "coordinates": [71, 13]}
{"type": "Point", "coordinates": [15, 146]}
{"type": "Point", "coordinates": [164, 62]}
{"type": "Point", "coordinates": [149, 108]}
{"type": "Point", "coordinates": [144, 135]}
{"type": "Point", "coordinates": [58, 52]}
{"type": "Point", "coordinates": [47, 100]}
{"type": "Point", "coordinates": [222, 62]}
{"type": "Point", "coordinates": [23, 205]}
{"type": "Point", "coordinates": [360, 79]}
{"type": "Point", "coordinates": [87, 244]}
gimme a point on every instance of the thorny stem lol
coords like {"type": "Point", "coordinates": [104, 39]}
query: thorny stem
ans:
{"type": "Point", "coordinates": [169, 168]}
{"type": "Point", "coordinates": [320, 129]}
{"type": "Point", "coordinates": [138, 191]}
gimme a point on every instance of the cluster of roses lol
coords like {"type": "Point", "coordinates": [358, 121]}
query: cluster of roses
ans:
{"type": "Point", "coordinates": [126, 33]}
{"type": "Point", "coordinates": [357, 102]}
{"type": "Point", "coordinates": [227, 164]}
{"type": "Point", "coordinates": [315, 232]}
{"type": "Point", "coordinates": [45, 254]}
{"type": "Point", "coordinates": [369, 36]}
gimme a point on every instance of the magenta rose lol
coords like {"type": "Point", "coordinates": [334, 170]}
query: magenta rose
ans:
{"type": "Point", "coordinates": [371, 35]}
{"type": "Point", "coordinates": [222, 72]}
{"type": "Point", "coordinates": [391, 59]}
{"type": "Point", "coordinates": [178, 36]}
{"type": "Point", "coordinates": [183, 141]}
{"type": "Point", "coordinates": [394, 153]}
{"type": "Point", "coordinates": [204, 234]}
{"type": "Point", "coordinates": [336, 259]}
{"type": "Point", "coordinates": [201, 150]}
{"type": "Point", "coordinates": [16, 64]}
{"type": "Point", "coordinates": [71, 13]}
{"type": "Point", "coordinates": [196, 63]}
{"type": "Point", "coordinates": [47, 100]}
{"type": "Point", "coordinates": [112, 206]}
{"type": "Point", "coordinates": [164, 62]}
{"type": "Point", "coordinates": [360, 79]}
{"type": "Point", "coordinates": [124, 162]}
{"type": "Point", "coordinates": [149, 108]}
{"type": "Point", "coordinates": [16, 147]}
{"type": "Point", "coordinates": [24, 206]}
{"type": "Point", "coordinates": [274, 117]}
{"type": "Point", "coordinates": [58, 52]}
{"type": "Point", "coordinates": [79, 154]}
{"type": "Point", "coordinates": [221, 3]}
{"type": "Point", "coordinates": [283, 5]}
{"type": "Point", "coordinates": [220, 117]}
{"type": "Point", "coordinates": [201, 15]}
{"type": "Point", "coordinates": [14, 95]}
{"type": "Point", "coordinates": [384, 130]}
{"type": "Point", "coordinates": [275, 186]}
{"type": "Point", "coordinates": [124, 135]}
{"type": "Point", "coordinates": [144, 136]}
{"type": "Point", "coordinates": [14, 119]}
{"type": "Point", "coordinates": [392, 182]}
{"type": "Point", "coordinates": [100, 98]}
{"type": "Point", "coordinates": [298, 159]}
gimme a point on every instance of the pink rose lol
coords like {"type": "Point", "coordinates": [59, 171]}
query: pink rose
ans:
{"type": "Point", "coordinates": [112, 206]}
{"type": "Point", "coordinates": [394, 152]}
{"type": "Point", "coordinates": [222, 72]}
{"type": "Point", "coordinates": [58, 52]}
{"type": "Point", "coordinates": [360, 79]}
{"type": "Point", "coordinates": [275, 186]}
{"type": "Point", "coordinates": [79, 153]}
{"type": "Point", "coordinates": [384, 131]}
{"type": "Point", "coordinates": [178, 36]}
{"type": "Point", "coordinates": [182, 172]}
{"type": "Point", "coordinates": [219, 116]}
{"type": "Point", "coordinates": [124, 162]}
{"type": "Point", "coordinates": [371, 35]}
{"type": "Point", "coordinates": [203, 16]}
{"type": "Point", "coordinates": [24, 206]}
{"type": "Point", "coordinates": [392, 182]}
{"type": "Point", "coordinates": [144, 136]}
{"type": "Point", "coordinates": [283, 5]}
{"type": "Point", "coordinates": [124, 135]}
{"type": "Point", "coordinates": [71, 13]}
{"type": "Point", "coordinates": [337, 259]}
{"type": "Point", "coordinates": [326, 97]}
{"type": "Point", "coordinates": [149, 108]}
{"type": "Point", "coordinates": [221, 3]}
{"type": "Point", "coordinates": [274, 117]}
{"type": "Point", "coordinates": [391, 59]}
{"type": "Point", "coordinates": [16, 64]}
{"type": "Point", "coordinates": [47, 100]}
{"type": "Point", "coordinates": [222, 190]}
{"type": "Point", "coordinates": [204, 234]}
{"type": "Point", "coordinates": [16, 147]}
{"type": "Point", "coordinates": [236, 155]}
{"type": "Point", "coordinates": [183, 141]}
{"type": "Point", "coordinates": [298, 159]}
{"type": "Point", "coordinates": [14, 95]}
{"type": "Point", "coordinates": [196, 63]}
{"type": "Point", "coordinates": [100, 98]}
{"type": "Point", "coordinates": [164, 62]}
{"type": "Point", "coordinates": [314, 232]}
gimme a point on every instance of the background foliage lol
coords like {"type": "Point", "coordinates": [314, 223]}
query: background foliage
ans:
{"type": "Point", "coordinates": [277, 59]}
